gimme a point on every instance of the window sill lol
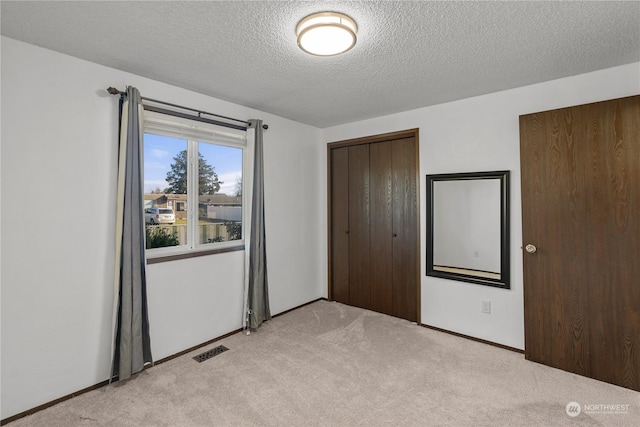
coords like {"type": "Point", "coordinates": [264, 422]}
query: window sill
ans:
{"type": "Point", "coordinates": [194, 254]}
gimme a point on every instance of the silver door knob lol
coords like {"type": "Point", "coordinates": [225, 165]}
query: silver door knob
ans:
{"type": "Point", "coordinates": [530, 248]}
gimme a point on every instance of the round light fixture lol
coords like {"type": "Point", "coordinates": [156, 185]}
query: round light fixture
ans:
{"type": "Point", "coordinates": [326, 33]}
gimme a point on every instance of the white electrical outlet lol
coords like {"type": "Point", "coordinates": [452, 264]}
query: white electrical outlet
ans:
{"type": "Point", "coordinates": [486, 307]}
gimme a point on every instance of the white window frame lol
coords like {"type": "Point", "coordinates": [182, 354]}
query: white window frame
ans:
{"type": "Point", "coordinates": [195, 132]}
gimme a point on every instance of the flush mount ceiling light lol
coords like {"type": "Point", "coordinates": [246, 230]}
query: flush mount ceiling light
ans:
{"type": "Point", "coordinates": [326, 33]}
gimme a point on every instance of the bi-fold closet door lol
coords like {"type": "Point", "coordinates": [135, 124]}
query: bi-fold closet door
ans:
{"type": "Point", "coordinates": [374, 224]}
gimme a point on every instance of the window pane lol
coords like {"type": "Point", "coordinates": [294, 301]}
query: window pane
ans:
{"type": "Point", "coordinates": [165, 187]}
{"type": "Point", "coordinates": [220, 193]}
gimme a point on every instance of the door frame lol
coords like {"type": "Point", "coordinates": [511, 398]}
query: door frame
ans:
{"type": "Point", "coordinates": [408, 133]}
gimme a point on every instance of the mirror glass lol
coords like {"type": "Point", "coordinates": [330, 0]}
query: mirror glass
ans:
{"type": "Point", "coordinates": [468, 232]}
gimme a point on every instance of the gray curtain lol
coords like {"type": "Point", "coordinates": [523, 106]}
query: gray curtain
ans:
{"type": "Point", "coordinates": [132, 345]}
{"type": "Point", "coordinates": [257, 290]}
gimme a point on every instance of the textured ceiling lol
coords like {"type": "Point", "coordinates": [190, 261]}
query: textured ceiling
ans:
{"type": "Point", "coordinates": [409, 54]}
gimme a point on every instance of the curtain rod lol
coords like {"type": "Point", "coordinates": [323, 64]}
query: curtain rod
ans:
{"type": "Point", "coordinates": [114, 91]}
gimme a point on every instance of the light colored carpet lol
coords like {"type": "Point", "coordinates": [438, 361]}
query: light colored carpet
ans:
{"type": "Point", "coordinates": [327, 364]}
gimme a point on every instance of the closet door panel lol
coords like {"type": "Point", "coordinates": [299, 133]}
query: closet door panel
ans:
{"type": "Point", "coordinates": [359, 225]}
{"type": "Point", "coordinates": [340, 224]}
{"type": "Point", "coordinates": [381, 228]}
{"type": "Point", "coordinates": [405, 229]}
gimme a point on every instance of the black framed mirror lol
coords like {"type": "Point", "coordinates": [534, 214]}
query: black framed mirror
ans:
{"type": "Point", "coordinates": [468, 227]}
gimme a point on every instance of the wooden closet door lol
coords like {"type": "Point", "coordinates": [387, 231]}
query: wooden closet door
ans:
{"type": "Point", "coordinates": [374, 250]}
{"type": "Point", "coordinates": [340, 224]}
{"type": "Point", "coordinates": [581, 209]}
{"type": "Point", "coordinates": [382, 288]}
{"type": "Point", "coordinates": [359, 227]}
{"type": "Point", "coordinates": [405, 228]}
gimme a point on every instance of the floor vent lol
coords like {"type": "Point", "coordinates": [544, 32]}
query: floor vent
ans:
{"type": "Point", "coordinates": [210, 353]}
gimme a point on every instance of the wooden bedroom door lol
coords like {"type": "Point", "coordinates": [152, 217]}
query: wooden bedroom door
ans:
{"type": "Point", "coordinates": [581, 215]}
{"type": "Point", "coordinates": [373, 224]}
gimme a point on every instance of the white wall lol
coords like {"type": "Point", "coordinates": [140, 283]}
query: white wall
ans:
{"type": "Point", "coordinates": [482, 134]}
{"type": "Point", "coordinates": [59, 141]}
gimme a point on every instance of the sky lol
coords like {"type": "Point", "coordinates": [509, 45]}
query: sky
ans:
{"type": "Point", "coordinates": [159, 152]}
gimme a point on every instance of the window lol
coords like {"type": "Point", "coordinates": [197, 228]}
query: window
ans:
{"type": "Point", "coordinates": [193, 180]}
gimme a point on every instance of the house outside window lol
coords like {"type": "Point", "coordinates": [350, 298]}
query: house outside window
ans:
{"type": "Point", "coordinates": [194, 170]}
